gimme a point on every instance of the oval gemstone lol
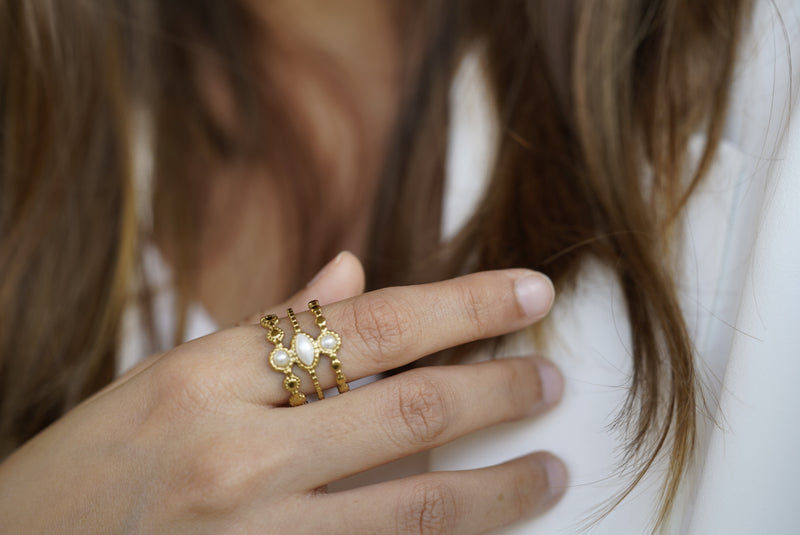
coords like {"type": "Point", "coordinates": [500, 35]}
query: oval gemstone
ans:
{"type": "Point", "coordinates": [305, 348]}
{"type": "Point", "coordinates": [328, 341]}
{"type": "Point", "coordinates": [280, 358]}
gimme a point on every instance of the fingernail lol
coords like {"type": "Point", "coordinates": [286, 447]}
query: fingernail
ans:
{"type": "Point", "coordinates": [325, 269]}
{"type": "Point", "coordinates": [551, 381]}
{"type": "Point", "coordinates": [535, 294]}
{"type": "Point", "coordinates": [556, 478]}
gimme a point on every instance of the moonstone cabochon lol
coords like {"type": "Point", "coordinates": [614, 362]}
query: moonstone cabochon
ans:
{"type": "Point", "coordinates": [329, 342]}
{"type": "Point", "coordinates": [280, 358]}
{"type": "Point", "coordinates": [305, 349]}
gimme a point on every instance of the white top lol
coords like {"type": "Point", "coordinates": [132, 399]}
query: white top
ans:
{"type": "Point", "coordinates": [740, 291]}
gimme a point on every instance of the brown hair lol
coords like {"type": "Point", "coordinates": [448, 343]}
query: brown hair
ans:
{"type": "Point", "coordinates": [567, 184]}
{"type": "Point", "coordinates": [66, 209]}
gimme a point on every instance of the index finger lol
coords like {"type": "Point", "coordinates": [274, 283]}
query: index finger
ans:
{"type": "Point", "coordinates": [391, 327]}
{"type": "Point", "coordinates": [388, 328]}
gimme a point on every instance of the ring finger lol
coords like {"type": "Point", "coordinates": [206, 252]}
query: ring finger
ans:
{"type": "Point", "coordinates": [464, 502]}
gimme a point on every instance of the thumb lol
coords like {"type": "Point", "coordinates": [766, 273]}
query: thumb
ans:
{"type": "Point", "coordinates": [341, 278]}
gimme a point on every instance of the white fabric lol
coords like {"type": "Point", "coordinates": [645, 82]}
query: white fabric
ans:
{"type": "Point", "coordinates": [471, 145]}
{"type": "Point", "coordinates": [751, 478]}
{"type": "Point", "coordinates": [135, 344]}
{"type": "Point", "coordinates": [740, 291]}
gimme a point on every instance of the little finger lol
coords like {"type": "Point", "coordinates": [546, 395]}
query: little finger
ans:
{"type": "Point", "coordinates": [463, 502]}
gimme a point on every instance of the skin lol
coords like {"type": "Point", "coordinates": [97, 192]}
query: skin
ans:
{"type": "Point", "coordinates": [197, 440]}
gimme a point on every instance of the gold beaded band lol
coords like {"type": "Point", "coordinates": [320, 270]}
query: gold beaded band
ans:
{"type": "Point", "coordinates": [304, 351]}
{"type": "Point", "coordinates": [329, 344]}
{"type": "Point", "coordinates": [282, 360]}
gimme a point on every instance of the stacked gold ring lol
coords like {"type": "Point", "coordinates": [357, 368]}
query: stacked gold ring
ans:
{"type": "Point", "coordinates": [304, 351]}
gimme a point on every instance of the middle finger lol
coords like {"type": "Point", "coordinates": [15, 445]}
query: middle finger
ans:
{"type": "Point", "coordinates": [416, 411]}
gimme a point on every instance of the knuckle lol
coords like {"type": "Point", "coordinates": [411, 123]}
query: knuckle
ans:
{"type": "Point", "coordinates": [380, 324]}
{"type": "Point", "coordinates": [476, 304]}
{"type": "Point", "coordinates": [172, 375]}
{"type": "Point", "coordinates": [420, 411]}
{"type": "Point", "coordinates": [430, 509]}
{"type": "Point", "coordinates": [185, 383]}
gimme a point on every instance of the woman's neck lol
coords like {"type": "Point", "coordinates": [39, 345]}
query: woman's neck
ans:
{"type": "Point", "coordinates": [348, 104]}
{"type": "Point", "coordinates": [352, 31]}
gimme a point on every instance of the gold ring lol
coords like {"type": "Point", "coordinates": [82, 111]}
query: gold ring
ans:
{"type": "Point", "coordinates": [304, 351]}
{"type": "Point", "coordinates": [281, 360]}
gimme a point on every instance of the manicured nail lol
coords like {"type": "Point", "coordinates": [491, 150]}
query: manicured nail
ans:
{"type": "Point", "coordinates": [556, 478]}
{"type": "Point", "coordinates": [535, 294]}
{"type": "Point", "coordinates": [551, 380]}
{"type": "Point", "coordinates": [325, 269]}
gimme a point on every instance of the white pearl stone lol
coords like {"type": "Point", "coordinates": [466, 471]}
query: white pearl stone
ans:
{"type": "Point", "coordinates": [280, 359]}
{"type": "Point", "coordinates": [328, 341]}
{"type": "Point", "coordinates": [304, 348]}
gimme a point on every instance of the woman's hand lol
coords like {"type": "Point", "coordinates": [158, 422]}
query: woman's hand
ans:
{"type": "Point", "coordinates": [199, 440]}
